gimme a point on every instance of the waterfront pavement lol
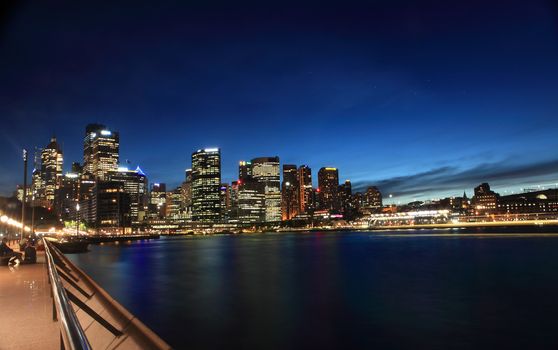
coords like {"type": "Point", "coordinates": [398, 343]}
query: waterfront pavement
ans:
{"type": "Point", "coordinates": [26, 308]}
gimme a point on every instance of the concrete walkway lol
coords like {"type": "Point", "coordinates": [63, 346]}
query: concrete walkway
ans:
{"type": "Point", "coordinates": [26, 308]}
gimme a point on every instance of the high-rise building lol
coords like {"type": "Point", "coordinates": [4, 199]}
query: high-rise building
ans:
{"type": "Point", "coordinates": [51, 170]}
{"type": "Point", "coordinates": [206, 183]}
{"type": "Point", "coordinates": [305, 189]}
{"type": "Point", "coordinates": [265, 170]}
{"type": "Point", "coordinates": [289, 192]}
{"type": "Point", "coordinates": [100, 150]}
{"type": "Point", "coordinates": [328, 186]}
{"type": "Point", "coordinates": [135, 185]}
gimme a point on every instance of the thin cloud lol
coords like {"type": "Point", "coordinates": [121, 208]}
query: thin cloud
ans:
{"type": "Point", "coordinates": [445, 179]}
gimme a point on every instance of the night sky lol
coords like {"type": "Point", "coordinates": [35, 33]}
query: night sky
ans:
{"type": "Point", "coordinates": [422, 98]}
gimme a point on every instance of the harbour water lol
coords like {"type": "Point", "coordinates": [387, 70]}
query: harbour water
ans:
{"type": "Point", "coordinates": [338, 290]}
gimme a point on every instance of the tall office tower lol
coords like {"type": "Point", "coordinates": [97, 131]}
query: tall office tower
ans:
{"type": "Point", "coordinates": [135, 185]}
{"type": "Point", "coordinates": [328, 183]}
{"type": "Point", "coordinates": [305, 189]}
{"type": "Point", "coordinates": [100, 150]}
{"type": "Point", "coordinates": [51, 170]}
{"type": "Point", "coordinates": [373, 199]}
{"type": "Point", "coordinates": [158, 200]}
{"type": "Point", "coordinates": [289, 192]}
{"type": "Point", "coordinates": [251, 202]}
{"type": "Point", "coordinates": [265, 170]}
{"type": "Point", "coordinates": [244, 170]}
{"type": "Point", "coordinates": [206, 183]}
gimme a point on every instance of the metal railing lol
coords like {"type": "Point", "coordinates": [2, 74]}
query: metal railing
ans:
{"type": "Point", "coordinates": [72, 335]}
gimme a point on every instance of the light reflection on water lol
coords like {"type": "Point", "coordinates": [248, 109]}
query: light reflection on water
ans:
{"type": "Point", "coordinates": [337, 290]}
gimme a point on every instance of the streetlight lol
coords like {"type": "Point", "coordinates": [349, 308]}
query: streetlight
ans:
{"type": "Point", "coordinates": [23, 198]}
{"type": "Point", "coordinates": [77, 219]}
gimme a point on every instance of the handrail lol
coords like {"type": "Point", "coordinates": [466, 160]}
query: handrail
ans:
{"type": "Point", "coordinates": [72, 334]}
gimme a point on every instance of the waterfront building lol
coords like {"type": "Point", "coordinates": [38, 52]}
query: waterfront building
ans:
{"type": "Point", "coordinates": [289, 192]}
{"type": "Point", "coordinates": [542, 201]}
{"type": "Point", "coordinates": [158, 200]}
{"type": "Point", "coordinates": [328, 186]}
{"type": "Point", "coordinates": [372, 200]}
{"type": "Point", "coordinates": [135, 185]}
{"type": "Point", "coordinates": [174, 205]}
{"type": "Point", "coordinates": [68, 196]}
{"type": "Point", "coordinates": [186, 191]}
{"type": "Point", "coordinates": [100, 150]}
{"type": "Point", "coordinates": [306, 192]}
{"type": "Point", "coordinates": [85, 198]}
{"type": "Point", "coordinates": [251, 202]}
{"type": "Point", "coordinates": [37, 190]}
{"type": "Point", "coordinates": [206, 183]}
{"type": "Point", "coordinates": [485, 201]}
{"type": "Point", "coordinates": [225, 199]}
{"type": "Point", "coordinates": [265, 170]}
{"type": "Point", "coordinates": [110, 207]}
{"type": "Point", "coordinates": [348, 209]}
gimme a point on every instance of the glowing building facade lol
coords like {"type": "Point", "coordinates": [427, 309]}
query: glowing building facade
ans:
{"type": "Point", "coordinates": [206, 185]}
{"type": "Point", "coordinates": [100, 150]}
{"type": "Point", "coordinates": [265, 170]}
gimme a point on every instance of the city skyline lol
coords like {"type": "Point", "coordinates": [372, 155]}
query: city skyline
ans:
{"type": "Point", "coordinates": [390, 197]}
{"type": "Point", "coordinates": [386, 93]}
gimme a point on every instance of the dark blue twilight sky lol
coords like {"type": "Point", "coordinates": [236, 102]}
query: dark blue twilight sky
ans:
{"type": "Point", "coordinates": [423, 98]}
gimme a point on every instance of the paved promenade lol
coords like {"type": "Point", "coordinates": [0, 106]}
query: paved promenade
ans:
{"type": "Point", "coordinates": [26, 308]}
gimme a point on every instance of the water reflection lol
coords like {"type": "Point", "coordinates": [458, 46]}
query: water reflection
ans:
{"type": "Point", "coordinates": [337, 290]}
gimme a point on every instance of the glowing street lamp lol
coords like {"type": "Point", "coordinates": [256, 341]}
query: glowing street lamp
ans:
{"type": "Point", "coordinates": [77, 219]}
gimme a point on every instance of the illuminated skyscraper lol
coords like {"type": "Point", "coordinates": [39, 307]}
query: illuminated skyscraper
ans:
{"type": "Point", "coordinates": [328, 185]}
{"type": "Point", "coordinates": [51, 170]}
{"type": "Point", "coordinates": [289, 192]}
{"type": "Point", "coordinates": [305, 189]}
{"type": "Point", "coordinates": [100, 150]}
{"type": "Point", "coordinates": [206, 184]}
{"type": "Point", "coordinates": [265, 170]}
